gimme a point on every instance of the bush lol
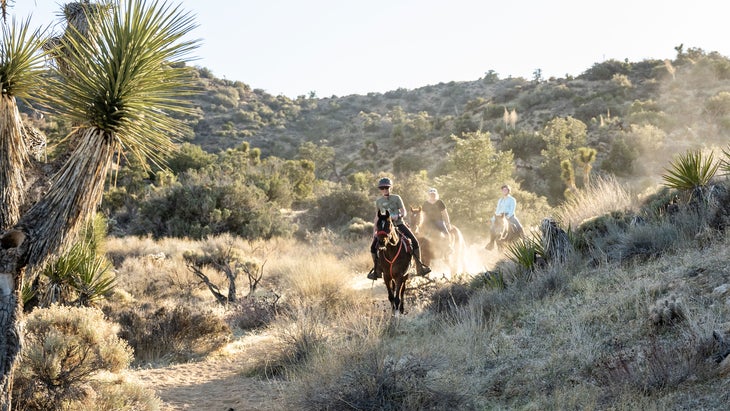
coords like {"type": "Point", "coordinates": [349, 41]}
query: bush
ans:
{"type": "Point", "coordinates": [339, 207]}
{"type": "Point", "coordinates": [524, 144]}
{"type": "Point", "coordinates": [64, 348]}
{"type": "Point", "coordinates": [170, 335]}
{"type": "Point", "coordinates": [620, 159]}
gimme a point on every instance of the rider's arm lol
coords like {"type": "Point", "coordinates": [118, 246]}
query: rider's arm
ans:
{"type": "Point", "coordinates": [510, 206]}
{"type": "Point", "coordinates": [445, 217]}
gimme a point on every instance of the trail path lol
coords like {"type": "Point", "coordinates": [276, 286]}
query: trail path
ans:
{"type": "Point", "coordinates": [217, 383]}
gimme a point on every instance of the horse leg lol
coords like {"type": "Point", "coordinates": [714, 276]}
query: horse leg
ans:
{"type": "Point", "coordinates": [392, 297]}
{"type": "Point", "coordinates": [400, 300]}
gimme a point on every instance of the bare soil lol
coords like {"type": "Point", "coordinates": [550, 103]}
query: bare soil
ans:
{"type": "Point", "coordinates": [217, 383]}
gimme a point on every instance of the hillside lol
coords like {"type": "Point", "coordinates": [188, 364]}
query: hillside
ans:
{"type": "Point", "coordinates": [632, 313]}
{"type": "Point", "coordinates": [616, 100]}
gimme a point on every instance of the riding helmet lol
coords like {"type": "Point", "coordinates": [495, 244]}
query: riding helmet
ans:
{"type": "Point", "coordinates": [385, 182]}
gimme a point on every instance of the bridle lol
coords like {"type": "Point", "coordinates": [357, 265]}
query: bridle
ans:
{"type": "Point", "coordinates": [386, 233]}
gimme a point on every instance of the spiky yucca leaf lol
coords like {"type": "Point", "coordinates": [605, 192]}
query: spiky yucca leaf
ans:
{"type": "Point", "coordinates": [690, 170]}
{"type": "Point", "coordinates": [21, 63]}
{"type": "Point", "coordinates": [21, 59]}
{"type": "Point", "coordinates": [725, 163]}
{"type": "Point", "coordinates": [120, 88]}
{"type": "Point", "coordinates": [125, 80]}
{"type": "Point", "coordinates": [525, 253]}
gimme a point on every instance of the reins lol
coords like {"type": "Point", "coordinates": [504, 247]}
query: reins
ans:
{"type": "Point", "coordinates": [391, 238]}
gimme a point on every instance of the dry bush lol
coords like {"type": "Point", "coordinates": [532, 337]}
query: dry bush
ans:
{"type": "Point", "coordinates": [162, 334]}
{"type": "Point", "coordinates": [65, 347]}
{"type": "Point", "coordinates": [120, 395]}
{"type": "Point", "coordinates": [448, 298]}
{"type": "Point", "coordinates": [656, 365]}
{"type": "Point", "coordinates": [603, 196]}
{"type": "Point", "coordinates": [298, 337]}
{"type": "Point", "coordinates": [318, 280]}
{"type": "Point", "coordinates": [666, 312]}
{"type": "Point", "coordinates": [375, 379]}
{"type": "Point", "coordinates": [252, 312]}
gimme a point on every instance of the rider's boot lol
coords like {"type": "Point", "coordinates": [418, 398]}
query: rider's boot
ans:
{"type": "Point", "coordinates": [374, 274]}
{"type": "Point", "coordinates": [421, 269]}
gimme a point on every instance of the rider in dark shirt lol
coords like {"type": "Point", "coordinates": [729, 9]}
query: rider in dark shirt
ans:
{"type": "Point", "coordinates": [437, 216]}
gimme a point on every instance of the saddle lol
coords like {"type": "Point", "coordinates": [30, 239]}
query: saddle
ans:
{"type": "Point", "coordinates": [408, 246]}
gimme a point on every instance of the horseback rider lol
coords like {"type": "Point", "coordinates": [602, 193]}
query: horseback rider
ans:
{"type": "Point", "coordinates": [507, 206]}
{"type": "Point", "coordinates": [393, 204]}
{"type": "Point", "coordinates": [437, 216]}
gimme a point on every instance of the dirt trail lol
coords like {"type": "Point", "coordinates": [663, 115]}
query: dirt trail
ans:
{"type": "Point", "coordinates": [216, 384]}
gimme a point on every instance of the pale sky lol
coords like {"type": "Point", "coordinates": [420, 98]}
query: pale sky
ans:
{"type": "Point", "coordinates": [343, 47]}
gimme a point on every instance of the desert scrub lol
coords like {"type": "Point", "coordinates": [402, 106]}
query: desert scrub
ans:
{"type": "Point", "coordinates": [64, 348]}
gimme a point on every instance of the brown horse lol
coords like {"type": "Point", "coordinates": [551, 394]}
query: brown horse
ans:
{"type": "Point", "coordinates": [394, 259]}
{"type": "Point", "coordinates": [502, 232]}
{"type": "Point", "coordinates": [435, 245]}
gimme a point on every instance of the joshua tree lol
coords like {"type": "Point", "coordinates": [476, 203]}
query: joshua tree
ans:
{"type": "Point", "coordinates": [118, 85]}
{"type": "Point", "coordinates": [585, 157]}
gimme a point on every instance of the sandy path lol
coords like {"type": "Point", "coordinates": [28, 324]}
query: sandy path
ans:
{"type": "Point", "coordinates": [215, 384]}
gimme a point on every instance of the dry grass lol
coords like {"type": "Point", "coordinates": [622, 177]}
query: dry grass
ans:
{"type": "Point", "coordinates": [584, 336]}
{"type": "Point", "coordinates": [604, 195]}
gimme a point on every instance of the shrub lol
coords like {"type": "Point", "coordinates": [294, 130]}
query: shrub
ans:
{"type": "Point", "coordinates": [690, 171]}
{"type": "Point", "coordinates": [524, 144]}
{"type": "Point", "coordinates": [447, 299]}
{"type": "Point", "coordinates": [339, 207]}
{"type": "Point", "coordinates": [170, 335]}
{"type": "Point", "coordinates": [620, 158]}
{"type": "Point", "coordinates": [64, 348]}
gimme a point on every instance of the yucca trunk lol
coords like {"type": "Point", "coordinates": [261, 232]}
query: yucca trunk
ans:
{"type": "Point", "coordinates": [10, 336]}
{"type": "Point", "coordinates": [75, 193]}
{"type": "Point", "coordinates": [12, 161]}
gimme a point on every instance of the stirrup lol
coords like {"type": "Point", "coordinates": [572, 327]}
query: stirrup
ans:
{"type": "Point", "coordinates": [423, 270]}
{"type": "Point", "coordinates": [372, 275]}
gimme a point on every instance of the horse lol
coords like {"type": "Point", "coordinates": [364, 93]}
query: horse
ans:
{"type": "Point", "coordinates": [394, 259]}
{"type": "Point", "coordinates": [502, 232]}
{"type": "Point", "coordinates": [435, 245]}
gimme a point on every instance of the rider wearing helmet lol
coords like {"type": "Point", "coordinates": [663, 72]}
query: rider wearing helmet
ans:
{"type": "Point", "coordinates": [394, 205]}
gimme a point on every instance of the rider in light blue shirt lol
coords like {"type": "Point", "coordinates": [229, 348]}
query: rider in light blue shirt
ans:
{"type": "Point", "coordinates": [507, 206]}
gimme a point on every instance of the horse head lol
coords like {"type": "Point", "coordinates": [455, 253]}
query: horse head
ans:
{"type": "Point", "coordinates": [385, 230]}
{"type": "Point", "coordinates": [501, 226]}
{"type": "Point", "coordinates": [415, 218]}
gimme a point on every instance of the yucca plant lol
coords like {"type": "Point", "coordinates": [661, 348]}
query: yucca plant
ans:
{"type": "Point", "coordinates": [690, 171]}
{"type": "Point", "coordinates": [725, 163]}
{"type": "Point", "coordinates": [21, 71]}
{"type": "Point", "coordinates": [526, 253]}
{"type": "Point", "coordinates": [79, 277]}
{"type": "Point", "coordinates": [118, 84]}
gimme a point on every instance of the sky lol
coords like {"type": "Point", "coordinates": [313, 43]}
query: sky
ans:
{"type": "Point", "coordinates": [344, 47]}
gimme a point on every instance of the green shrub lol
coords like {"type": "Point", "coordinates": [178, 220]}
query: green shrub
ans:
{"type": "Point", "coordinates": [690, 171]}
{"type": "Point", "coordinates": [64, 348]}
{"type": "Point", "coordinates": [620, 158]}
{"type": "Point", "coordinates": [606, 70]}
{"type": "Point", "coordinates": [524, 144]}
{"type": "Point", "coordinates": [339, 207]}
